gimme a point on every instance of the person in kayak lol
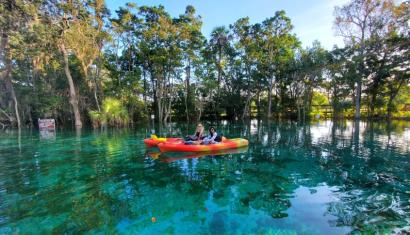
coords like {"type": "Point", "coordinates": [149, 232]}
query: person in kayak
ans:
{"type": "Point", "coordinates": [212, 138]}
{"type": "Point", "coordinates": [199, 132]}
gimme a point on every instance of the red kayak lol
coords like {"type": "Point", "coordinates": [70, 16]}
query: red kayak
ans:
{"type": "Point", "coordinates": [180, 146]}
{"type": "Point", "coordinates": [153, 142]}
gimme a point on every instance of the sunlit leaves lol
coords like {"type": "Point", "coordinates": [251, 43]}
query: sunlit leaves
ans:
{"type": "Point", "coordinates": [113, 113]}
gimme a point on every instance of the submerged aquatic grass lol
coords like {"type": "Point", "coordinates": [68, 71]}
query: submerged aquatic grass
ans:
{"type": "Point", "coordinates": [321, 178]}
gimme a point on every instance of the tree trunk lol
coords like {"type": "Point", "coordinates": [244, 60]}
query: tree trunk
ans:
{"type": "Point", "coordinates": [154, 83]}
{"type": "Point", "coordinates": [258, 104]}
{"type": "Point", "coordinates": [159, 94]}
{"type": "Point", "coordinates": [358, 95]}
{"type": "Point", "coordinates": [96, 79]}
{"type": "Point", "coordinates": [392, 95]}
{"type": "Point", "coordinates": [307, 101]}
{"type": "Point", "coordinates": [168, 111]}
{"type": "Point", "coordinates": [144, 95]}
{"type": "Point", "coordinates": [7, 115]}
{"type": "Point", "coordinates": [95, 95]}
{"type": "Point", "coordinates": [16, 109]}
{"type": "Point", "coordinates": [187, 96]}
{"type": "Point", "coordinates": [247, 110]}
{"type": "Point", "coordinates": [7, 76]}
{"type": "Point", "coordinates": [390, 107]}
{"type": "Point", "coordinates": [95, 88]}
{"type": "Point", "coordinates": [200, 113]}
{"type": "Point", "coordinates": [270, 98]}
{"type": "Point", "coordinates": [73, 93]}
{"type": "Point", "coordinates": [372, 105]}
{"type": "Point", "coordinates": [159, 107]}
{"type": "Point", "coordinates": [219, 84]}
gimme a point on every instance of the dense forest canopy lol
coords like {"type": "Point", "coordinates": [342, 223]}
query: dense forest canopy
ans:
{"type": "Point", "coordinates": [76, 62]}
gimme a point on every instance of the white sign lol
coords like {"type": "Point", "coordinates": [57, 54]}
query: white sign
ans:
{"type": "Point", "coordinates": [46, 124]}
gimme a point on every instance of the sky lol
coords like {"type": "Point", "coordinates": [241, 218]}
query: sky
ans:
{"type": "Point", "coordinates": [312, 19]}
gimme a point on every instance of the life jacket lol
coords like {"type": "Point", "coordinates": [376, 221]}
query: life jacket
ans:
{"type": "Point", "coordinates": [218, 138]}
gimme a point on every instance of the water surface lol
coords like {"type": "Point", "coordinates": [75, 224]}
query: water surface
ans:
{"type": "Point", "coordinates": [321, 178]}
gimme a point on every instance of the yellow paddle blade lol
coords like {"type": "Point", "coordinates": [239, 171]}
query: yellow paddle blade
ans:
{"type": "Point", "coordinates": [155, 137]}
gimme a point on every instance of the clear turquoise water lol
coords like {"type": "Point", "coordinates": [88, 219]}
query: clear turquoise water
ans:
{"type": "Point", "coordinates": [321, 178]}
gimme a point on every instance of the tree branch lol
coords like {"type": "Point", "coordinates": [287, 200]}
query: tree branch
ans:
{"type": "Point", "coordinates": [8, 116]}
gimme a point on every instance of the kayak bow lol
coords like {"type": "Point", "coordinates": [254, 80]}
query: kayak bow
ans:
{"type": "Point", "coordinates": [154, 141]}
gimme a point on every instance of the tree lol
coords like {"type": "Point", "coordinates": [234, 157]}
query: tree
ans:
{"type": "Point", "coordinates": [160, 47]}
{"type": "Point", "coordinates": [219, 47]}
{"type": "Point", "coordinates": [312, 62]}
{"type": "Point", "coordinates": [68, 18]}
{"type": "Point", "coordinates": [357, 22]}
{"type": "Point", "coordinates": [247, 49]}
{"type": "Point", "coordinates": [341, 73]}
{"type": "Point", "coordinates": [396, 73]}
{"type": "Point", "coordinates": [192, 42]}
{"type": "Point", "coordinates": [278, 45]}
{"type": "Point", "coordinates": [100, 14]}
{"type": "Point", "coordinates": [62, 58]}
{"type": "Point", "coordinates": [14, 16]}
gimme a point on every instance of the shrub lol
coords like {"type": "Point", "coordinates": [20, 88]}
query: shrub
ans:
{"type": "Point", "coordinates": [113, 113]}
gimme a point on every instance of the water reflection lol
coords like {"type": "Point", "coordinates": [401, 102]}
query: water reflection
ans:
{"type": "Point", "coordinates": [325, 177]}
{"type": "Point", "coordinates": [47, 134]}
{"type": "Point", "coordinates": [171, 157]}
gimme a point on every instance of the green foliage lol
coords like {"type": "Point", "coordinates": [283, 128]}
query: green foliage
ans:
{"type": "Point", "coordinates": [401, 101]}
{"type": "Point", "coordinates": [113, 113]}
{"type": "Point", "coordinates": [153, 63]}
{"type": "Point", "coordinates": [319, 100]}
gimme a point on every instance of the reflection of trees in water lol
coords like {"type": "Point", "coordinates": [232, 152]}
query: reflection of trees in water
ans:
{"type": "Point", "coordinates": [102, 178]}
{"type": "Point", "coordinates": [352, 156]}
{"type": "Point", "coordinates": [372, 176]}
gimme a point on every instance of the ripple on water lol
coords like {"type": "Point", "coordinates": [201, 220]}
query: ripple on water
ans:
{"type": "Point", "coordinates": [293, 179]}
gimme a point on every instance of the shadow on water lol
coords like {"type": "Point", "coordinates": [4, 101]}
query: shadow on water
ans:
{"type": "Point", "coordinates": [324, 177]}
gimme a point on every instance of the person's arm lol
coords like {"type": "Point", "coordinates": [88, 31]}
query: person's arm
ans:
{"type": "Point", "coordinates": [213, 137]}
{"type": "Point", "coordinates": [201, 134]}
